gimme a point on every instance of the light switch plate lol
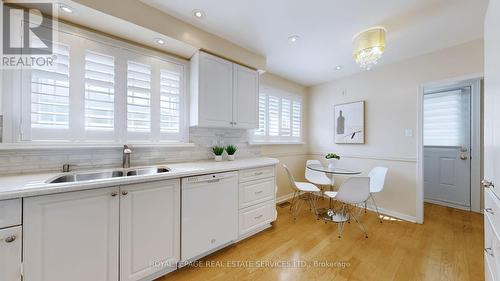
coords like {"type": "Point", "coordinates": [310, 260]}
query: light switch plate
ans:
{"type": "Point", "coordinates": [408, 132]}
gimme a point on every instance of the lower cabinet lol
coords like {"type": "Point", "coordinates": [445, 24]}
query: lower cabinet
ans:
{"type": "Point", "coordinates": [10, 254]}
{"type": "Point", "coordinates": [149, 229]}
{"type": "Point", "coordinates": [72, 236]}
{"type": "Point", "coordinates": [118, 233]}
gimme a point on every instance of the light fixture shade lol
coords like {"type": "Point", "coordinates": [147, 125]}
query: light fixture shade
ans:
{"type": "Point", "coordinates": [369, 45]}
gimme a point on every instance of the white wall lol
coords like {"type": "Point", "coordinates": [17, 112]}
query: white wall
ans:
{"type": "Point", "coordinates": [390, 93]}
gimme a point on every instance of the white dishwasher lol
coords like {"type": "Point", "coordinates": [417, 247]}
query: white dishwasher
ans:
{"type": "Point", "coordinates": [209, 214]}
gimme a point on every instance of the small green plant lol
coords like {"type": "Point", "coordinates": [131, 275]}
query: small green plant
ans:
{"type": "Point", "coordinates": [231, 149]}
{"type": "Point", "coordinates": [332, 156]}
{"type": "Point", "coordinates": [218, 150]}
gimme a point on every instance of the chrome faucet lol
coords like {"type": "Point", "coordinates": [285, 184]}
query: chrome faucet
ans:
{"type": "Point", "coordinates": [126, 156]}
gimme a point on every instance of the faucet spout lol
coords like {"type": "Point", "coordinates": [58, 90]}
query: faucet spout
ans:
{"type": "Point", "coordinates": [126, 156]}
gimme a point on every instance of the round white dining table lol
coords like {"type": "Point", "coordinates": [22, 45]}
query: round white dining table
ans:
{"type": "Point", "coordinates": [329, 214]}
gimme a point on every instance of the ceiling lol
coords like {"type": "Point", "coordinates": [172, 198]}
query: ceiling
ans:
{"type": "Point", "coordinates": [326, 28]}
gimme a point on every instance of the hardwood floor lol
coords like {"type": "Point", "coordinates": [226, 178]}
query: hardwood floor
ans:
{"type": "Point", "coordinates": [448, 246]}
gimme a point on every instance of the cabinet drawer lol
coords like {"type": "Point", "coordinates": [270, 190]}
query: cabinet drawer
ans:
{"type": "Point", "coordinates": [492, 210]}
{"type": "Point", "coordinates": [254, 217]}
{"type": "Point", "coordinates": [491, 249]}
{"type": "Point", "coordinates": [256, 174]}
{"type": "Point", "coordinates": [10, 213]}
{"type": "Point", "coordinates": [254, 192]}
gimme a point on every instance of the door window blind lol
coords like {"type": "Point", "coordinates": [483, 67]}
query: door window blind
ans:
{"type": "Point", "coordinates": [446, 118]}
{"type": "Point", "coordinates": [99, 91]}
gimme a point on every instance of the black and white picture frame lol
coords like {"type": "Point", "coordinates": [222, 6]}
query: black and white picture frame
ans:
{"type": "Point", "coordinates": [349, 120]}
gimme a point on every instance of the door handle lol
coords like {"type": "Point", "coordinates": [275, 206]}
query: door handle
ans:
{"type": "Point", "coordinates": [487, 184]}
{"type": "Point", "coordinates": [463, 157]}
{"type": "Point", "coordinates": [489, 251]}
{"type": "Point", "coordinates": [489, 210]}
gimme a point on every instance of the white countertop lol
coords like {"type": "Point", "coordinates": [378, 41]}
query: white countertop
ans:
{"type": "Point", "coordinates": [18, 186]}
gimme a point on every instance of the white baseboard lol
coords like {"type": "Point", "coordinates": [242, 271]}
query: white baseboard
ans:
{"type": "Point", "coordinates": [451, 205]}
{"type": "Point", "coordinates": [383, 211]}
{"type": "Point", "coordinates": [284, 198]}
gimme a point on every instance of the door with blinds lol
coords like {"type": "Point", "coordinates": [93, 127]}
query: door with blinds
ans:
{"type": "Point", "coordinates": [447, 145]}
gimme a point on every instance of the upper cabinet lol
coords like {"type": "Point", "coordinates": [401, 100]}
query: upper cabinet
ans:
{"type": "Point", "coordinates": [223, 94]}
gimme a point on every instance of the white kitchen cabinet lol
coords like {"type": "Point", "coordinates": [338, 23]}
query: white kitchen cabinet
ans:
{"type": "Point", "coordinates": [10, 253]}
{"type": "Point", "coordinates": [223, 94]}
{"type": "Point", "coordinates": [245, 97]}
{"type": "Point", "coordinates": [149, 229]}
{"type": "Point", "coordinates": [72, 236]}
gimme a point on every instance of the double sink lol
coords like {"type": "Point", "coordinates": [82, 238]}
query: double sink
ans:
{"type": "Point", "coordinates": [87, 176]}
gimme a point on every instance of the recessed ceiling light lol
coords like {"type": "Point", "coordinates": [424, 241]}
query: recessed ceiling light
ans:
{"type": "Point", "coordinates": [199, 14]}
{"type": "Point", "coordinates": [66, 9]}
{"type": "Point", "coordinates": [293, 38]}
{"type": "Point", "coordinates": [160, 41]}
{"type": "Point", "coordinates": [338, 67]}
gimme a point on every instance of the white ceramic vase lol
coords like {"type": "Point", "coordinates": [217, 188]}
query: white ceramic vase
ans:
{"type": "Point", "coordinates": [331, 163]}
{"type": "Point", "coordinates": [218, 158]}
{"type": "Point", "coordinates": [230, 157]}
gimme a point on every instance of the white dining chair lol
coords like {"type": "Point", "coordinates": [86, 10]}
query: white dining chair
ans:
{"type": "Point", "coordinates": [377, 181]}
{"type": "Point", "coordinates": [302, 191]}
{"type": "Point", "coordinates": [318, 178]}
{"type": "Point", "coordinates": [353, 192]}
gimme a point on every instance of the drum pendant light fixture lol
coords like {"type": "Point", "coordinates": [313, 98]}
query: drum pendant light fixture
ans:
{"type": "Point", "coordinates": [369, 45]}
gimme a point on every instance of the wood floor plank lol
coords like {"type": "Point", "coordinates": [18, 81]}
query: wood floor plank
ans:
{"type": "Point", "coordinates": [448, 246]}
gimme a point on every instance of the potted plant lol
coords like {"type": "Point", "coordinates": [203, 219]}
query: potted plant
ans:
{"type": "Point", "coordinates": [231, 150]}
{"type": "Point", "coordinates": [218, 150]}
{"type": "Point", "coordinates": [332, 158]}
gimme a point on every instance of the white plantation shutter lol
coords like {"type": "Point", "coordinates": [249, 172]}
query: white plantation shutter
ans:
{"type": "Point", "coordinates": [445, 115]}
{"type": "Point", "coordinates": [50, 99]}
{"type": "Point", "coordinates": [138, 97]}
{"type": "Point", "coordinates": [280, 117]}
{"type": "Point", "coordinates": [99, 91]}
{"type": "Point", "coordinates": [170, 102]}
{"type": "Point", "coordinates": [297, 119]}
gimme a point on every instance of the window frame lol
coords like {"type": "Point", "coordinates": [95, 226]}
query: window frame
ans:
{"type": "Point", "coordinates": [266, 138]}
{"type": "Point", "coordinates": [18, 122]}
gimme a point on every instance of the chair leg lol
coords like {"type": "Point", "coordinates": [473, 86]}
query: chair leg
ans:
{"type": "Point", "coordinates": [340, 226]}
{"type": "Point", "coordinates": [376, 208]}
{"type": "Point", "coordinates": [360, 226]}
{"type": "Point", "coordinates": [293, 200]}
{"type": "Point", "coordinates": [365, 206]}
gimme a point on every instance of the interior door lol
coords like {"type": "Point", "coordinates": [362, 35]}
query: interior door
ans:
{"type": "Point", "coordinates": [447, 145]}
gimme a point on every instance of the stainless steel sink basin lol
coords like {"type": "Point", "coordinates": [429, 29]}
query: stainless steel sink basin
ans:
{"type": "Point", "coordinates": [87, 176]}
{"type": "Point", "coordinates": [147, 171]}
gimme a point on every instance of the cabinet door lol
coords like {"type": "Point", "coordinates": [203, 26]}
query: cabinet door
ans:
{"type": "Point", "coordinates": [72, 236]}
{"type": "Point", "coordinates": [215, 92]}
{"type": "Point", "coordinates": [10, 254]}
{"type": "Point", "coordinates": [245, 97]}
{"type": "Point", "coordinates": [149, 229]}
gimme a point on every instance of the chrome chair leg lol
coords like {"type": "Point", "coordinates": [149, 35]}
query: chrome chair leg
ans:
{"type": "Point", "coordinates": [360, 226]}
{"type": "Point", "coordinates": [376, 208]}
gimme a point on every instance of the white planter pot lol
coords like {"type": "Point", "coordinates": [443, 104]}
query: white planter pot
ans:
{"type": "Point", "coordinates": [332, 163]}
{"type": "Point", "coordinates": [218, 158]}
{"type": "Point", "coordinates": [230, 157]}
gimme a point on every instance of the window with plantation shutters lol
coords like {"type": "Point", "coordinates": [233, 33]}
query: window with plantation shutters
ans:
{"type": "Point", "coordinates": [50, 98]}
{"type": "Point", "coordinates": [280, 117]}
{"type": "Point", "coordinates": [169, 102]}
{"type": "Point", "coordinates": [138, 97]}
{"type": "Point", "coordinates": [100, 90]}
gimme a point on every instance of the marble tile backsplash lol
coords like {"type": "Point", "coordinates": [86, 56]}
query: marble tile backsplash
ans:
{"type": "Point", "coordinates": [25, 161]}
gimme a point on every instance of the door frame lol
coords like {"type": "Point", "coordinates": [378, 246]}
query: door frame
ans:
{"type": "Point", "coordinates": [475, 81]}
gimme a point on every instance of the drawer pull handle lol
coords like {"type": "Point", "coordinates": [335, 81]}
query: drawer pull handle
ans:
{"type": "Point", "coordinates": [258, 173]}
{"type": "Point", "coordinates": [10, 239]}
{"type": "Point", "coordinates": [489, 251]}
{"type": "Point", "coordinates": [489, 210]}
{"type": "Point", "coordinates": [113, 194]}
{"type": "Point", "coordinates": [258, 217]}
{"type": "Point", "coordinates": [258, 192]}
{"type": "Point", "coordinates": [124, 193]}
